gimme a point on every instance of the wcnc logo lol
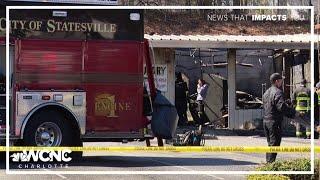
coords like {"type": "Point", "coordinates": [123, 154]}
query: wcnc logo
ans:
{"type": "Point", "coordinates": [32, 158]}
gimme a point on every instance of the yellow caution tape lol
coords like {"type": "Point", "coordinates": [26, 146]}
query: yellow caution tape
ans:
{"type": "Point", "coordinates": [258, 149]}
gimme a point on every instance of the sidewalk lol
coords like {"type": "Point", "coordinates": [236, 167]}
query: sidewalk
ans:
{"type": "Point", "coordinates": [210, 132]}
{"type": "Point", "coordinates": [218, 134]}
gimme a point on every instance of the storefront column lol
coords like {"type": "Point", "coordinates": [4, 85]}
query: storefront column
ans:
{"type": "Point", "coordinates": [231, 58]}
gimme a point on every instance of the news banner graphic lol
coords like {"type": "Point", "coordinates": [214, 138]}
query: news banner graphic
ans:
{"type": "Point", "coordinates": [41, 159]}
{"type": "Point", "coordinates": [28, 157]}
{"type": "Point", "coordinates": [15, 152]}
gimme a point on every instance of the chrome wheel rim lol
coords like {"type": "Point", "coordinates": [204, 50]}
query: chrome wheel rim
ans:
{"type": "Point", "coordinates": [48, 134]}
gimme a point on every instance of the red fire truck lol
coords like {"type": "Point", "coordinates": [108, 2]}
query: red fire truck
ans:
{"type": "Point", "coordinates": [77, 75]}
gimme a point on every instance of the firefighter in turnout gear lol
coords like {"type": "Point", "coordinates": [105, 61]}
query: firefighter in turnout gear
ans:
{"type": "Point", "coordinates": [275, 108]}
{"type": "Point", "coordinates": [317, 110]}
{"type": "Point", "coordinates": [302, 103]}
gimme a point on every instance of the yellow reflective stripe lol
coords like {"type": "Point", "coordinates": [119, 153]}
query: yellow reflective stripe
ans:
{"type": "Point", "coordinates": [301, 101]}
{"type": "Point", "coordinates": [308, 133]}
{"type": "Point", "coordinates": [301, 108]}
{"type": "Point", "coordinates": [303, 98]}
{"type": "Point", "coordinates": [298, 133]}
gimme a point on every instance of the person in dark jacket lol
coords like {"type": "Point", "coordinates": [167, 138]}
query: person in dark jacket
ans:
{"type": "Point", "coordinates": [275, 108]}
{"type": "Point", "coordinates": [181, 102]}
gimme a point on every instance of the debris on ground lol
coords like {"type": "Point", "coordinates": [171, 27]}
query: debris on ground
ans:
{"type": "Point", "coordinates": [247, 101]}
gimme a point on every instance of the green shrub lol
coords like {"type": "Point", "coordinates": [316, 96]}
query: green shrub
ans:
{"type": "Point", "coordinates": [268, 177]}
{"type": "Point", "coordinates": [288, 165]}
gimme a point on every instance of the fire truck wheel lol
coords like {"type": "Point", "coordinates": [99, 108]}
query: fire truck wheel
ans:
{"type": "Point", "coordinates": [50, 128]}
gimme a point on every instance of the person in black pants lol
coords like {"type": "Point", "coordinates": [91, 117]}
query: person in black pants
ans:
{"type": "Point", "coordinates": [181, 102]}
{"type": "Point", "coordinates": [275, 108]}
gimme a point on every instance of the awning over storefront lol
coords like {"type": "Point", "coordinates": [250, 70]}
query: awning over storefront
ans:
{"type": "Point", "coordinates": [296, 41]}
{"type": "Point", "coordinates": [232, 43]}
